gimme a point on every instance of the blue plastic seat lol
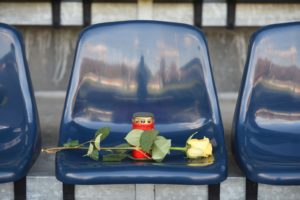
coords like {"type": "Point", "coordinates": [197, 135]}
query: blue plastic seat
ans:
{"type": "Point", "coordinates": [141, 66]}
{"type": "Point", "coordinates": [266, 126]}
{"type": "Point", "coordinates": [19, 124]}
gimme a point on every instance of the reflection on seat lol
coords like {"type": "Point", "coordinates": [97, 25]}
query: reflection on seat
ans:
{"type": "Point", "coordinates": [19, 125]}
{"type": "Point", "coordinates": [138, 66]}
{"type": "Point", "coordinates": [267, 118]}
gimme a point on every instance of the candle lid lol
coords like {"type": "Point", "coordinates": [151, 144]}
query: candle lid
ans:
{"type": "Point", "coordinates": [143, 114]}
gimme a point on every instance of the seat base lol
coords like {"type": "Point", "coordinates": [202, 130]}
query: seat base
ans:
{"type": "Point", "coordinates": [73, 168]}
{"type": "Point", "coordinates": [273, 173]}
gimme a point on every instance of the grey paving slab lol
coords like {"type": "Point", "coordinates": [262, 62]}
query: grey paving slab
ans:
{"type": "Point", "coordinates": [111, 192]}
{"type": "Point", "coordinates": [144, 192]}
{"type": "Point", "coordinates": [6, 191]}
{"type": "Point", "coordinates": [273, 192]}
{"type": "Point", "coordinates": [43, 188]}
{"type": "Point", "coordinates": [233, 188]}
{"type": "Point", "coordinates": [179, 192]}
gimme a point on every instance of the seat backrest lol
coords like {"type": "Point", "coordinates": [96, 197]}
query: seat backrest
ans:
{"type": "Point", "coordinates": [141, 66]}
{"type": "Point", "coordinates": [19, 124]}
{"type": "Point", "coordinates": [267, 117]}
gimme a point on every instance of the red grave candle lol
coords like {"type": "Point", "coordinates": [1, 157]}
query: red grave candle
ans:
{"type": "Point", "coordinates": [143, 121]}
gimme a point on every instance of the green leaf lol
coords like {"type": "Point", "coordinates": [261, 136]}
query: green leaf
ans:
{"type": "Point", "coordinates": [104, 131]}
{"type": "Point", "coordinates": [97, 141]}
{"type": "Point", "coordinates": [71, 143]}
{"type": "Point", "coordinates": [133, 137]}
{"type": "Point", "coordinates": [94, 155]}
{"type": "Point", "coordinates": [114, 157]}
{"type": "Point", "coordinates": [147, 140]}
{"type": "Point", "coordinates": [125, 145]}
{"type": "Point", "coordinates": [161, 148]}
{"type": "Point", "coordinates": [90, 150]}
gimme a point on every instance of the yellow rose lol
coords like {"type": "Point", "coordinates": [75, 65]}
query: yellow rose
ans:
{"type": "Point", "coordinates": [199, 148]}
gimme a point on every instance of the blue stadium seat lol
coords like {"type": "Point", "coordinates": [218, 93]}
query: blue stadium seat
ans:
{"type": "Point", "coordinates": [266, 128]}
{"type": "Point", "coordinates": [19, 124]}
{"type": "Point", "coordinates": [141, 66]}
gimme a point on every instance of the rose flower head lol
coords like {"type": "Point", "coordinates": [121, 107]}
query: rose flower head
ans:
{"type": "Point", "coordinates": [197, 148]}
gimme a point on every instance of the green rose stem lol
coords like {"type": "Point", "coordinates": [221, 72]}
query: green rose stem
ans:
{"type": "Point", "coordinates": [184, 149]}
{"type": "Point", "coordinates": [139, 140]}
{"type": "Point", "coordinates": [81, 147]}
{"type": "Point", "coordinates": [56, 149]}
